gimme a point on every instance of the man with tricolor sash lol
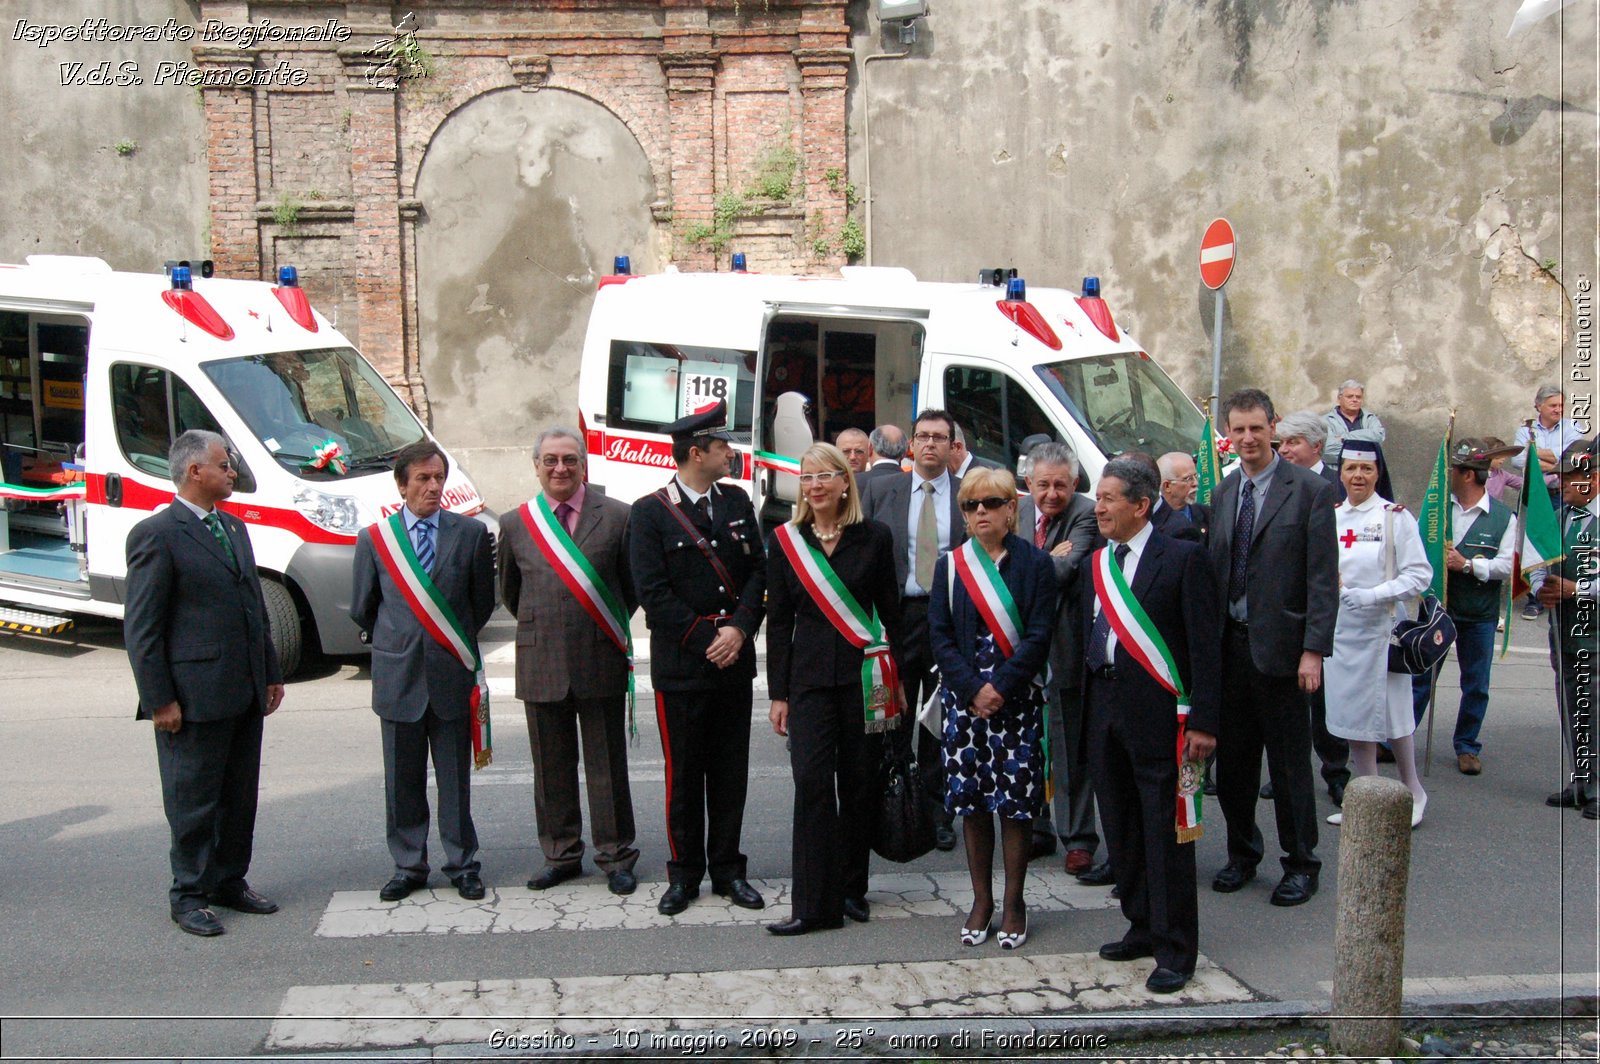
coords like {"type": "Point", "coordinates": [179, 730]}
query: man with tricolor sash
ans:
{"type": "Point", "coordinates": [423, 589]}
{"type": "Point", "coordinates": [1146, 621]}
{"type": "Point", "coordinates": [564, 576]}
{"type": "Point", "coordinates": [700, 569]}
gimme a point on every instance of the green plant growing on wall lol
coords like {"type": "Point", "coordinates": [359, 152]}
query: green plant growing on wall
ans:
{"type": "Point", "coordinates": [717, 234]}
{"type": "Point", "coordinates": [775, 170]}
{"type": "Point", "coordinates": [286, 213]}
{"type": "Point", "coordinates": [852, 239]}
{"type": "Point", "coordinates": [125, 148]}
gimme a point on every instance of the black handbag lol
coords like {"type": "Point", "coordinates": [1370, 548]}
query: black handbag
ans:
{"type": "Point", "coordinates": [1415, 647]}
{"type": "Point", "coordinates": [905, 829]}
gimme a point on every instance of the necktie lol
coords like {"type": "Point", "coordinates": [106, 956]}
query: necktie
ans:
{"type": "Point", "coordinates": [1100, 633]}
{"type": "Point", "coordinates": [927, 538]}
{"type": "Point", "coordinates": [424, 531]}
{"type": "Point", "coordinates": [1242, 530]}
{"type": "Point", "coordinates": [1038, 533]}
{"type": "Point", "coordinates": [564, 513]}
{"type": "Point", "coordinates": [214, 523]}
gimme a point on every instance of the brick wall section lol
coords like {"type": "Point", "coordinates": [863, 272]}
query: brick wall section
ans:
{"type": "Point", "coordinates": [706, 86]}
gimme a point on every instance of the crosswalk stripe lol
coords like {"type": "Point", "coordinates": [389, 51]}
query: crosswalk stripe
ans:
{"type": "Point", "coordinates": [579, 905]}
{"type": "Point", "coordinates": [590, 1010]}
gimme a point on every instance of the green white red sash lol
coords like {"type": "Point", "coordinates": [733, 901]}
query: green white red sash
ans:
{"type": "Point", "coordinates": [584, 581]}
{"type": "Point", "coordinates": [393, 547]}
{"type": "Point", "coordinates": [28, 494]}
{"type": "Point", "coordinates": [780, 462]}
{"type": "Point", "coordinates": [882, 697]}
{"type": "Point", "coordinates": [1139, 636]}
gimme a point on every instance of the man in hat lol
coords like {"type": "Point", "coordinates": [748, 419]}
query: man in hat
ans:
{"type": "Point", "coordinates": [699, 569]}
{"type": "Point", "coordinates": [1568, 590]}
{"type": "Point", "coordinates": [1476, 564]}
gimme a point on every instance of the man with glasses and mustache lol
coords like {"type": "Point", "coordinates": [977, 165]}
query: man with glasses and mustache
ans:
{"type": "Point", "coordinates": [920, 509]}
{"type": "Point", "coordinates": [564, 576]}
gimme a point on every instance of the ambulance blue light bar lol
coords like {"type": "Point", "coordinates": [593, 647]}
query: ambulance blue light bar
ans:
{"type": "Point", "coordinates": [288, 277]}
{"type": "Point", "coordinates": [182, 279]}
{"type": "Point", "coordinates": [621, 266]}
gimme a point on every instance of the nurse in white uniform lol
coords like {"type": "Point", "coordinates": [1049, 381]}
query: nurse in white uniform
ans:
{"type": "Point", "coordinates": [1368, 704]}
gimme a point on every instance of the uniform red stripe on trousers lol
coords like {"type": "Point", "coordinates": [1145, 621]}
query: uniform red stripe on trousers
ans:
{"type": "Point", "coordinates": [666, 752]}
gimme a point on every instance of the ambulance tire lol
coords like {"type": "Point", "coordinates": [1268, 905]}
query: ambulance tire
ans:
{"type": "Point", "coordinates": [283, 622]}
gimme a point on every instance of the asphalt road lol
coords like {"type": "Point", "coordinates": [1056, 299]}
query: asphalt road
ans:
{"type": "Point", "coordinates": [1501, 885]}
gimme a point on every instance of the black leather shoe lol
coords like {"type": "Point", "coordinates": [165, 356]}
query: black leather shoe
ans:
{"type": "Point", "coordinates": [1591, 809]}
{"type": "Point", "coordinates": [1124, 950]}
{"type": "Point", "coordinates": [1295, 888]}
{"type": "Point", "coordinates": [469, 886]}
{"type": "Point", "coordinates": [1098, 876]}
{"type": "Point", "coordinates": [400, 887]}
{"type": "Point", "coordinates": [554, 874]}
{"type": "Point", "coordinates": [944, 838]}
{"type": "Point", "coordinates": [797, 926]}
{"type": "Point", "coordinates": [620, 881]}
{"type": "Point", "coordinates": [742, 894]}
{"type": "Point", "coordinates": [1565, 798]}
{"type": "Point", "coordinates": [676, 899]}
{"type": "Point", "coordinates": [1233, 877]}
{"type": "Point", "coordinates": [1267, 792]}
{"type": "Point", "coordinates": [245, 900]}
{"type": "Point", "coordinates": [1208, 786]}
{"type": "Point", "coordinates": [202, 922]}
{"type": "Point", "coordinates": [1166, 981]}
{"type": "Point", "coordinates": [1385, 755]}
{"type": "Point", "coordinates": [858, 910]}
{"type": "Point", "coordinates": [1336, 792]}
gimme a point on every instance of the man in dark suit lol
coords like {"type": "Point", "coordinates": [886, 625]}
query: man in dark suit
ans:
{"type": "Point", "coordinates": [1274, 558]}
{"type": "Point", "coordinates": [196, 630]}
{"type": "Point", "coordinates": [1062, 523]}
{"type": "Point", "coordinates": [888, 448]}
{"type": "Point", "coordinates": [962, 459]}
{"type": "Point", "coordinates": [573, 658]}
{"type": "Point", "coordinates": [700, 568]}
{"type": "Point", "coordinates": [1133, 720]}
{"type": "Point", "coordinates": [920, 508]}
{"type": "Point", "coordinates": [1176, 512]}
{"type": "Point", "coordinates": [421, 689]}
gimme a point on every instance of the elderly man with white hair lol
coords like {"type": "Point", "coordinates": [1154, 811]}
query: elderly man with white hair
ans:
{"type": "Point", "coordinates": [1302, 438]}
{"type": "Point", "coordinates": [1347, 416]}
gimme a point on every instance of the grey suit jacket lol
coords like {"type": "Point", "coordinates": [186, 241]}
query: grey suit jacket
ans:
{"type": "Point", "coordinates": [1075, 524]}
{"type": "Point", "coordinates": [195, 623]}
{"type": "Point", "coordinates": [410, 670]}
{"type": "Point", "coordinates": [888, 499]}
{"type": "Point", "coordinates": [1292, 590]}
{"type": "Point", "coordinates": [874, 472]}
{"type": "Point", "coordinates": [560, 648]}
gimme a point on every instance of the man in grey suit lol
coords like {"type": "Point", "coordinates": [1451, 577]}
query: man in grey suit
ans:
{"type": "Point", "coordinates": [572, 673]}
{"type": "Point", "coordinates": [920, 508]}
{"type": "Point", "coordinates": [420, 689]}
{"type": "Point", "coordinates": [196, 631]}
{"type": "Point", "coordinates": [1062, 523]}
{"type": "Point", "coordinates": [888, 444]}
{"type": "Point", "coordinates": [1275, 560]}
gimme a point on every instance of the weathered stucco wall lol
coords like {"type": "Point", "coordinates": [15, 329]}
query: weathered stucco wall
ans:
{"type": "Point", "coordinates": [1411, 190]}
{"type": "Point", "coordinates": [66, 186]}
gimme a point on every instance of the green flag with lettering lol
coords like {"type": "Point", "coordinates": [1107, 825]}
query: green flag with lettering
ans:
{"type": "Point", "coordinates": [1434, 518]}
{"type": "Point", "coordinates": [1205, 461]}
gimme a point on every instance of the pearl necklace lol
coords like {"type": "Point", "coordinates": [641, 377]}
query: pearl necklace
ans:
{"type": "Point", "coordinates": [824, 537]}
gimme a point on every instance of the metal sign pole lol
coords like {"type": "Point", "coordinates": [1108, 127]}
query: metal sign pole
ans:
{"type": "Point", "coordinates": [1216, 353]}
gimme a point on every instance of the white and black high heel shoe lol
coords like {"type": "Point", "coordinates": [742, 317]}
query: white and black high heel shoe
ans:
{"type": "Point", "coordinates": [1014, 941]}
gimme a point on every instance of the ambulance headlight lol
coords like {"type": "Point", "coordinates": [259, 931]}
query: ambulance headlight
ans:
{"type": "Point", "coordinates": [335, 513]}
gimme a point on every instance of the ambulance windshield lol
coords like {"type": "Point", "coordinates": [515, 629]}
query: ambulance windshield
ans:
{"type": "Point", "coordinates": [1125, 403]}
{"type": "Point", "coordinates": [299, 402]}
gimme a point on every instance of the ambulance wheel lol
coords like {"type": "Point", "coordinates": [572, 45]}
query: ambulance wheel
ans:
{"type": "Point", "coordinates": [283, 621]}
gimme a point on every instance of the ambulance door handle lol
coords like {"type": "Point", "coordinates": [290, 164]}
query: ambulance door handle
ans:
{"type": "Point", "coordinates": [113, 489]}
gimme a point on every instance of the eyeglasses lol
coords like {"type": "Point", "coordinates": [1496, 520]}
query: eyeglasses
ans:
{"type": "Point", "coordinates": [931, 437]}
{"type": "Point", "coordinates": [1192, 478]}
{"type": "Point", "coordinates": [827, 476]}
{"type": "Point", "coordinates": [993, 502]}
{"type": "Point", "coordinates": [571, 461]}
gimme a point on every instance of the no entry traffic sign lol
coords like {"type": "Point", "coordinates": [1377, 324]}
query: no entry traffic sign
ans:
{"type": "Point", "coordinates": [1216, 254]}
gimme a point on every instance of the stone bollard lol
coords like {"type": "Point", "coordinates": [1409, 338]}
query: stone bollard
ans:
{"type": "Point", "coordinates": [1370, 936]}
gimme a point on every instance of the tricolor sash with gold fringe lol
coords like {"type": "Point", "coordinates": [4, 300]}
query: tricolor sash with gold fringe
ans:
{"type": "Point", "coordinates": [393, 547]}
{"type": "Point", "coordinates": [882, 697]}
{"type": "Point", "coordinates": [1145, 645]}
{"type": "Point", "coordinates": [585, 583]}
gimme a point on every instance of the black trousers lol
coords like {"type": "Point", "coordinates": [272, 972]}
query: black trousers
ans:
{"type": "Point", "coordinates": [1268, 714]}
{"type": "Point", "coordinates": [1332, 751]}
{"type": "Point", "coordinates": [833, 759]}
{"type": "Point", "coordinates": [210, 773]}
{"type": "Point", "coordinates": [553, 736]}
{"type": "Point", "coordinates": [407, 747]}
{"type": "Point", "coordinates": [919, 679]}
{"type": "Point", "coordinates": [1136, 780]}
{"type": "Point", "coordinates": [705, 736]}
{"type": "Point", "coordinates": [1575, 655]}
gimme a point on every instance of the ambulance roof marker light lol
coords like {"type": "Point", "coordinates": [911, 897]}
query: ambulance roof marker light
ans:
{"type": "Point", "coordinates": [193, 307]}
{"type": "Point", "coordinates": [739, 262]}
{"type": "Point", "coordinates": [622, 266]}
{"type": "Point", "coordinates": [182, 279]}
{"type": "Point", "coordinates": [1016, 289]}
{"type": "Point", "coordinates": [288, 277]}
{"type": "Point", "coordinates": [1024, 315]}
{"type": "Point", "coordinates": [294, 299]}
{"type": "Point", "coordinates": [1096, 309]}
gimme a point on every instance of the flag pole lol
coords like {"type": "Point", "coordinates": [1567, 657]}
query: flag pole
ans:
{"type": "Point", "coordinates": [1517, 516]}
{"type": "Point", "coordinates": [1446, 508]}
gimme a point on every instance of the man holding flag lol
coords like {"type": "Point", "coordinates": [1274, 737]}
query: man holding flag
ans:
{"type": "Point", "coordinates": [1146, 619]}
{"type": "Point", "coordinates": [1470, 543]}
{"type": "Point", "coordinates": [564, 576]}
{"type": "Point", "coordinates": [423, 589]}
{"type": "Point", "coordinates": [1568, 547]}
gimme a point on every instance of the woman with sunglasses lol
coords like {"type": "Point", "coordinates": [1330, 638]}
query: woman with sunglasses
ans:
{"type": "Point", "coordinates": [833, 611]}
{"type": "Point", "coordinates": [990, 620]}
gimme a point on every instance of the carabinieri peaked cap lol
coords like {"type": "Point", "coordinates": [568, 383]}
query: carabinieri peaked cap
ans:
{"type": "Point", "coordinates": [712, 423]}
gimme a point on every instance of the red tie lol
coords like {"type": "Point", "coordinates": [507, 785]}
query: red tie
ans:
{"type": "Point", "coordinates": [564, 512]}
{"type": "Point", "coordinates": [1038, 533]}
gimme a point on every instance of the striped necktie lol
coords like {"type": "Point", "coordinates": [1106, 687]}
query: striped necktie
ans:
{"type": "Point", "coordinates": [424, 531]}
{"type": "Point", "coordinates": [214, 523]}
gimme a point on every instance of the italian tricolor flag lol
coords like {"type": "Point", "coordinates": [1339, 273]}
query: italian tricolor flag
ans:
{"type": "Point", "coordinates": [1539, 544]}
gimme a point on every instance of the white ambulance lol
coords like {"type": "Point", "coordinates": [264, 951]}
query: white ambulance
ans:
{"type": "Point", "coordinates": [869, 347]}
{"type": "Point", "coordinates": [100, 371]}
